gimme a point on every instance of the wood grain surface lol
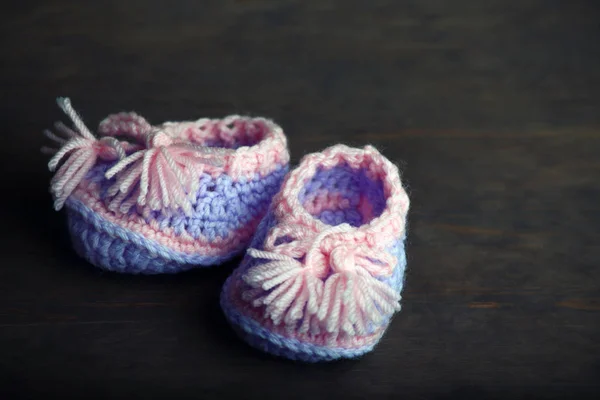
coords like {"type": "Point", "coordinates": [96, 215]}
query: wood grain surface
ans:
{"type": "Point", "coordinates": [491, 108]}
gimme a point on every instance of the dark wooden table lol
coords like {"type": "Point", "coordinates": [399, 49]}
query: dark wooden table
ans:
{"type": "Point", "coordinates": [491, 108]}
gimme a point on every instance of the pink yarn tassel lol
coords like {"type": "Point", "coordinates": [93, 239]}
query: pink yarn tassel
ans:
{"type": "Point", "coordinates": [166, 176]}
{"type": "Point", "coordinates": [335, 289]}
{"type": "Point", "coordinates": [81, 150]}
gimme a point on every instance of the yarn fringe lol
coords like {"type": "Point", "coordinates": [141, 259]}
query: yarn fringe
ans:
{"type": "Point", "coordinates": [164, 176]}
{"type": "Point", "coordinates": [157, 170]}
{"type": "Point", "coordinates": [335, 288]}
{"type": "Point", "coordinates": [80, 150]}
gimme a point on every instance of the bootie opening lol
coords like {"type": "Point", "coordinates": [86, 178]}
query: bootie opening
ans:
{"type": "Point", "coordinates": [343, 194]}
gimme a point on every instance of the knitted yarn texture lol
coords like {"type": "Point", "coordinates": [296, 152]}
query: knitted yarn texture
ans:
{"type": "Point", "coordinates": [162, 199]}
{"type": "Point", "coordinates": [324, 273]}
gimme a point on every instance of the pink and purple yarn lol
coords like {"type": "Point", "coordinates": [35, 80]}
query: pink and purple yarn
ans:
{"type": "Point", "coordinates": [149, 200]}
{"type": "Point", "coordinates": [325, 270]}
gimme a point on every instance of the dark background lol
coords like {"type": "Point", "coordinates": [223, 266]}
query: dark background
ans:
{"type": "Point", "coordinates": [490, 107]}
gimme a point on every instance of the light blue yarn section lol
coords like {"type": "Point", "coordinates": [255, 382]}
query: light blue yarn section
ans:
{"type": "Point", "coordinates": [115, 248]}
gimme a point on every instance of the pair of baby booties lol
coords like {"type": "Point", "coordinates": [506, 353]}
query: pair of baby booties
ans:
{"type": "Point", "coordinates": [325, 260]}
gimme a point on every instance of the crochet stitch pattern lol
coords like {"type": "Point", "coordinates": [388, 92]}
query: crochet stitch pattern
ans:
{"type": "Point", "coordinates": [146, 199]}
{"type": "Point", "coordinates": [323, 275]}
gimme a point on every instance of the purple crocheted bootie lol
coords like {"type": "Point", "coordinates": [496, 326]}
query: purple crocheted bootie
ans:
{"type": "Point", "coordinates": [325, 270]}
{"type": "Point", "coordinates": [163, 199]}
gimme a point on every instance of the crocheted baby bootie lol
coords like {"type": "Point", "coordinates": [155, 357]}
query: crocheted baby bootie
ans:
{"type": "Point", "coordinates": [324, 273]}
{"type": "Point", "coordinates": [146, 199]}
